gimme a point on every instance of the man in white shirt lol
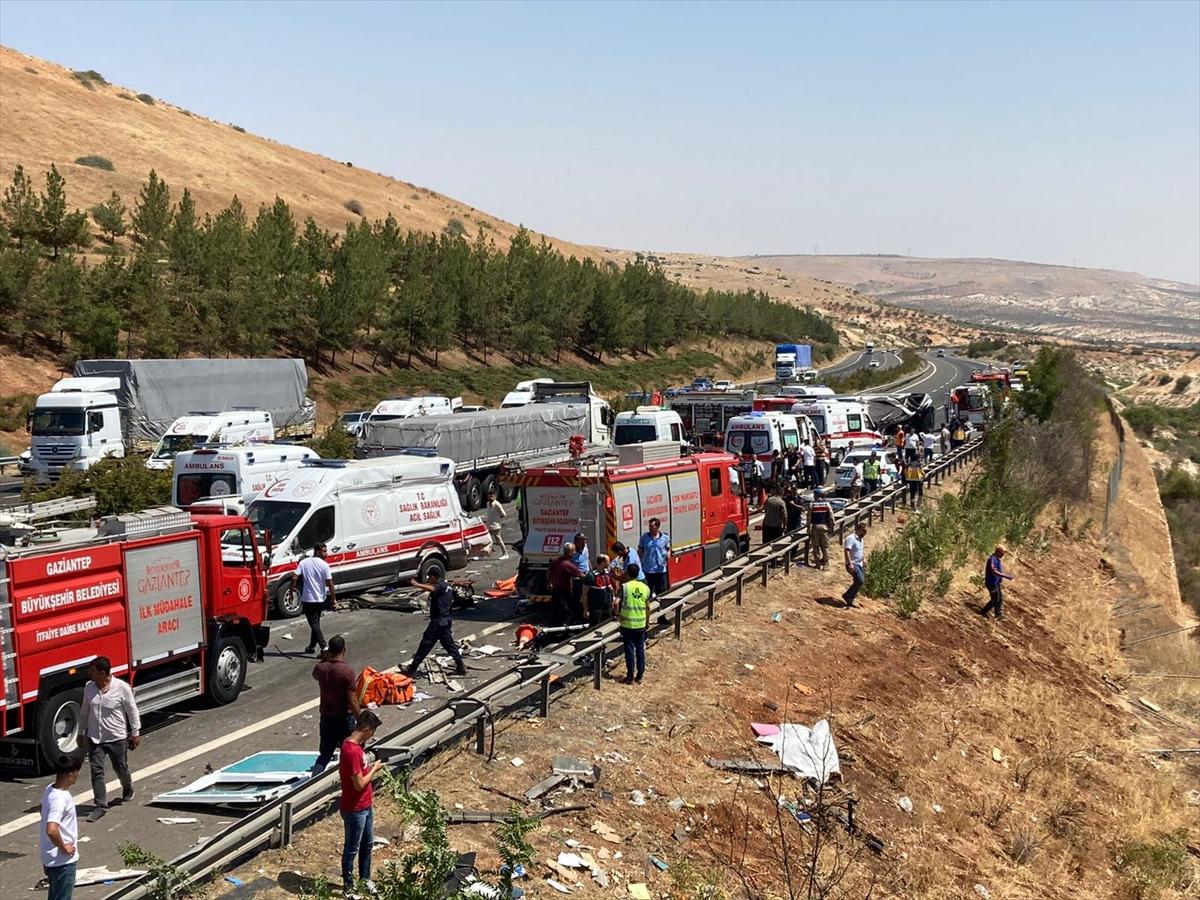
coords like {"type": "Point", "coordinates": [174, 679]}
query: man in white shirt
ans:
{"type": "Point", "coordinates": [808, 459]}
{"type": "Point", "coordinates": [495, 521]}
{"type": "Point", "coordinates": [109, 725]}
{"type": "Point", "coordinates": [316, 577]}
{"type": "Point", "coordinates": [854, 550]}
{"type": "Point", "coordinates": [59, 830]}
{"type": "Point", "coordinates": [929, 441]}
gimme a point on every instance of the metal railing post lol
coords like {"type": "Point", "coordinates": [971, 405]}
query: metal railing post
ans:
{"type": "Point", "coordinates": [712, 600]}
{"type": "Point", "coordinates": [479, 736]}
{"type": "Point", "coordinates": [597, 666]}
{"type": "Point", "coordinates": [285, 824]}
{"type": "Point", "coordinates": [738, 596]}
{"type": "Point", "coordinates": [545, 697]}
{"type": "Point", "coordinates": [679, 623]}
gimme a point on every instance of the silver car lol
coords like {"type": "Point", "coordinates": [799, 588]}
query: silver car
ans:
{"type": "Point", "coordinates": [888, 471]}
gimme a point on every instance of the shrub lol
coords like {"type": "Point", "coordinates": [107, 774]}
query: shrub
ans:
{"type": "Point", "coordinates": [1153, 867]}
{"type": "Point", "coordinates": [335, 443]}
{"type": "Point", "coordinates": [95, 162]}
{"type": "Point", "coordinates": [354, 206]}
{"type": "Point", "coordinates": [89, 78]}
{"type": "Point", "coordinates": [349, 165]}
{"type": "Point", "coordinates": [908, 600]}
{"type": "Point", "coordinates": [146, 98]}
{"type": "Point", "coordinates": [1164, 380]}
{"type": "Point", "coordinates": [13, 411]}
{"type": "Point", "coordinates": [1023, 846]}
{"type": "Point", "coordinates": [119, 485]}
{"type": "Point", "coordinates": [31, 70]}
{"type": "Point", "coordinates": [238, 128]}
{"type": "Point", "coordinates": [942, 585]}
{"type": "Point", "coordinates": [126, 96]}
{"type": "Point", "coordinates": [455, 228]}
{"type": "Point", "coordinates": [1181, 384]}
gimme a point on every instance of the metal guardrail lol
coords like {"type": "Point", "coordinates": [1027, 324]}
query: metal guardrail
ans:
{"type": "Point", "coordinates": [272, 824]}
{"type": "Point", "coordinates": [1118, 467]}
{"type": "Point", "coordinates": [9, 461]}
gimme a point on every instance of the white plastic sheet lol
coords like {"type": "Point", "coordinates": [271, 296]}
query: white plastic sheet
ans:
{"type": "Point", "coordinates": [807, 751]}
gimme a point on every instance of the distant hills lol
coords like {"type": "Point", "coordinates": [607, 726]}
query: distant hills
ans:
{"type": "Point", "coordinates": [1087, 304]}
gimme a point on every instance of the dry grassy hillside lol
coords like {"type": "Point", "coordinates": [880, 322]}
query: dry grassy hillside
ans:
{"type": "Point", "coordinates": [51, 116]}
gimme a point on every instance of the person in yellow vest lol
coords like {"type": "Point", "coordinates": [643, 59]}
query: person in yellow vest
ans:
{"type": "Point", "coordinates": [871, 474]}
{"type": "Point", "coordinates": [631, 609]}
{"type": "Point", "coordinates": [958, 433]}
{"type": "Point", "coordinates": [914, 475]}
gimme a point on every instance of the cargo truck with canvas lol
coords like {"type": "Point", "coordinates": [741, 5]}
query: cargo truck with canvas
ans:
{"type": "Point", "coordinates": [116, 407]}
{"type": "Point", "coordinates": [697, 499]}
{"type": "Point", "coordinates": [792, 361]}
{"type": "Point", "coordinates": [481, 444]}
{"type": "Point", "coordinates": [382, 520]}
{"type": "Point", "coordinates": [175, 601]}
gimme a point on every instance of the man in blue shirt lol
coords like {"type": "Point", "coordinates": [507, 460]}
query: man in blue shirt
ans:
{"type": "Point", "coordinates": [623, 557]}
{"type": "Point", "coordinates": [993, 577]}
{"type": "Point", "coordinates": [654, 548]}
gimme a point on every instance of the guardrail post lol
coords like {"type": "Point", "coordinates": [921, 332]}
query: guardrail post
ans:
{"type": "Point", "coordinates": [597, 666]}
{"type": "Point", "coordinates": [679, 623]}
{"type": "Point", "coordinates": [766, 571]}
{"type": "Point", "coordinates": [738, 596]}
{"type": "Point", "coordinates": [787, 560]}
{"type": "Point", "coordinates": [712, 599]}
{"type": "Point", "coordinates": [544, 696]}
{"type": "Point", "coordinates": [285, 824]}
{"type": "Point", "coordinates": [479, 736]}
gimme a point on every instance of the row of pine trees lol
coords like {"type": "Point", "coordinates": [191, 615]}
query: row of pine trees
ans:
{"type": "Point", "coordinates": [160, 281]}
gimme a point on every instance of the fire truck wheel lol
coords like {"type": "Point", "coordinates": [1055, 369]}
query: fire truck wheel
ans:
{"type": "Point", "coordinates": [729, 550]}
{"type": "Point", "coordinates": [287, 601]}
{"type": "Point", "coordinates": [58, 724]}
{"type": "Point", "coordinates": [226, 670]}
{"type": "Point", "coordinates": [429, 565]}
{"type": "Point", "coordinates": [472, 494]}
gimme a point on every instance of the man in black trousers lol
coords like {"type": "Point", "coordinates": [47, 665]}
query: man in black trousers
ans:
{"type": "Point", "coordinates": [439, 627]}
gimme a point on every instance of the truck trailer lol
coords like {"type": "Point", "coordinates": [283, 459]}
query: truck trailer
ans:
{"type": "Point", "coordinates": [792, 361]}
{"type": "Point", "coordinates": [481, 443]}
{"type": "Point", "coordinates": [175, 601]}
{"type": "Point", "coordinates": [116, 407]}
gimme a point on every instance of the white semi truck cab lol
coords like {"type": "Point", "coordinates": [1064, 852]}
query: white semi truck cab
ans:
{"type": "Point", "coordinates": [74, 426]}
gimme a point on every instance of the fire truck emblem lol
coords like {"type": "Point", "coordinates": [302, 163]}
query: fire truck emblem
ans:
{"type": "Point", "coordinates": [244, 589]}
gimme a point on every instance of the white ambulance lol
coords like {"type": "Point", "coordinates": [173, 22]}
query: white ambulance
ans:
{"type": "Point", "coordinates": [761, 433]}
{"type": "Point", "coordinates": [409, 407]}
{"type": "Point", "coordinates": [231, 477]}
{"type": "Point", "coordinates": [381, 520]}
{"type": "Point", "coordinates": [646, 424]}
{"type": "Point", "coordinates": [840, 421]}
{"type": "Point", "coordinates": [237, 426]}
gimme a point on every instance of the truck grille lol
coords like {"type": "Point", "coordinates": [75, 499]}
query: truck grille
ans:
{"type": "Point", "coordinates": [55, 452]}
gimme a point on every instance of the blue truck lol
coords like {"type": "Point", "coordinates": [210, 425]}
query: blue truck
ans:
{"type": "Point", "coordinates": [792, 362]}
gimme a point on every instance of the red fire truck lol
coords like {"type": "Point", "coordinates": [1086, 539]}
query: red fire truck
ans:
{"type": "Point", "coordinates": [697, 498]}
{"type": "Point", "coordinates": [175, 601]}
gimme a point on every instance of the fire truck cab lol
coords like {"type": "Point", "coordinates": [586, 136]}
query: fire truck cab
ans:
{"type": "Point", "coordinates": [175, 601]}
{"type": "Point", "coordinates": [697, 498]}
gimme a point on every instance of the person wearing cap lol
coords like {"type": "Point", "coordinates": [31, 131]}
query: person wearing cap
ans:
{"type": "Point", "coordinates": [994, 577]}
{"type": "Point", "coordinates": [871, 473]}
{"type": "Point", "coordinates": [317, 578]}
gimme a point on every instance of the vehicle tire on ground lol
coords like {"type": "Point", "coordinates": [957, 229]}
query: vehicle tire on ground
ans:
{"type": "Point", "coordinates": [287, 601]}
{"type": "Point", "coordinates": [58, 724]}
{"type": "Point", "coordinates": [472, 494]}
{"type": "Point", "coordinates": [490, 483]}
{"type": "Point", "coordinates": [430, 564]}
{"type": "Point", "coordinates": [226, 669]}
{"type": "Point", "coordinates": [729, 550]}
{"type": "Point", "coordinates": [506, 492]}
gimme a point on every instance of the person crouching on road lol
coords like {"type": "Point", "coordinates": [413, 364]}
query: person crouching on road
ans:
{"type": "Point", "coordinates": [59, 834]}
{"type": "Point", "coordinates": [599, 585]}
{"type": "Point", "coordinates": [109, 725]}
{"type": "Point", "coordinates": [854, 550]}
{"type": "Point", "coordinates": [358, 802]}
{"type": "Point", "coordinates": [339, 702]}
{"type": "Point", "coordinates": [441, 597]}
{"type": "Point", "coordinates": [632, 611]}
{"type": "Point", "coordinates": [561, 575]}
{"type": "Point", "coordinates": [317, 578]}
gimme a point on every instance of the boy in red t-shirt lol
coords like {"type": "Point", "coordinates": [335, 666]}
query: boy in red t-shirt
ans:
{"type": "Point", "coordinates": [358, 815]}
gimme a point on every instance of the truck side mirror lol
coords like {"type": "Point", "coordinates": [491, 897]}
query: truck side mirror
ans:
{"type": "Point", "coordinates": [29, 421]}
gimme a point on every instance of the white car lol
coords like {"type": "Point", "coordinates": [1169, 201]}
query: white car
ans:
{"type": "Point", "coordinates": [888, 472]}
{"type": "Point", "coordinates": [873, 364]}
{"type": "Point", "coordinates": [724, 386]}
{"type": "Point", "coordinates": [354, 421]}
{"type": "Point", "coordinates": [941, 353]}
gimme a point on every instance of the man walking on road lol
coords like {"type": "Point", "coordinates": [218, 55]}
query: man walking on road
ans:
{"type": "Point", "coordinates": [316, 578]}
{"type": "Point", "coordinates": [632, 610]}
{"type": "Point", "coordinates": [439, 628]}
{"type": "Point", "coordinates": [994, 577]}
{"type": "Point", "coordinates": [339, 703]}
{"type": "Point", "coordinates": [775, 514]}
{"type": "Point", "coordinates": [808, 458]}
{"type": "Point", "coordinates": [357, 803]}
{"type": "Point", "coordinates": [109, 725]}
{"type": "Point", "coordinates": [495, 520]}
{"type": "Point", "coordinates": [654, 549]}
{"type": "Point", "coordinates": [820, 525]}
{"type": "Point", "coordinates": [59, 830]}
{"type": "Point", "coordinates": [854, 551]}
{"type": "Point", "coordinates": [928, 442]}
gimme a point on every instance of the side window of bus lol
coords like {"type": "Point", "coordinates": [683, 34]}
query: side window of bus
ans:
{"type": "Point", "coordinates": [714, 481]}
{"type": "Point", "coordinates": [854, 423]}
{"type": "Point", "coordinates": [317, 529]}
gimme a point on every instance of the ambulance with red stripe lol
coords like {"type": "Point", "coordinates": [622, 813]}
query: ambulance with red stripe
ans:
{"type": "Point", "coordinates": [697, 498]}
{"type": "Point", "coordinates": [381, 520]}
{"type": "Point", "coordinates": [176, 602]}
{"type": "Point", "coordinates": [841, 421]}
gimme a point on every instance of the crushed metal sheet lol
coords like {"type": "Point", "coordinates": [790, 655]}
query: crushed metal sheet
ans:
{"type": "Point", "coordinates": [256, 779]}
{"type": "Point", "coordinates": [569, 765]}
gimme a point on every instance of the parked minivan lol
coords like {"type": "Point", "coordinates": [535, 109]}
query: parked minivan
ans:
{"type": "Point", "coordinates": [381, 520]}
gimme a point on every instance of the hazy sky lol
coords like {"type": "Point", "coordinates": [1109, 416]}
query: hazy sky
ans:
{"type": "Point", "coordinates": [1051, 132]}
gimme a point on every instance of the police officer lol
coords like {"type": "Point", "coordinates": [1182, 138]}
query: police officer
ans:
{"type": "Point", "coordinates": [631, 609]}
{"type": "Point", "coordinates": [439, 627]}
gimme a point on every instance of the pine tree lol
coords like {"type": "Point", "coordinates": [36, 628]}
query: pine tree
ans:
{"type": "Point", "coordinates": [57, 299]}
{"type": "Point", "coordinates": [20, 207]}
{"type": "Point", "coordinates": [18, 278]}
{"type": "Point", "coordinates": [184, 239]}
{"type": "Point", "coordinates": [152, 214]}
{"type": "Point", "coordinates": [110, 216]}
{"type": "Point", "coordinates": [57, 228]}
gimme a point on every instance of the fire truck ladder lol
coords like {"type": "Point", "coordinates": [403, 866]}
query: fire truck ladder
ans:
{"type": "Point", "coordinates": [8, 657]}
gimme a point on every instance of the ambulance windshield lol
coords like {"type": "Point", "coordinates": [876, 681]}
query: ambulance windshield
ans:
{"type": "Point", "coordinates": [280, 516]}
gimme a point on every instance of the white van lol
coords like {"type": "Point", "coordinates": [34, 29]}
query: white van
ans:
{"type": "Point", "coordinates": [522, 394]}
{"type": "Point", "coordinates": [806, 390]}
{"type": "Point", "coordinates": [237, 474]}
{"type": "Point", "coordinates": [237, 426]}
{"type": "Point", "coordinates": [381, 520]}
{"type": "Point", "coordinates": [840, 421]}
{"type": "Point", "coordinates": [409, 407]}
{"type": "Point", "coordinates": [764, 432]}
{"type": "Point", "coordinates": [648, 423]}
